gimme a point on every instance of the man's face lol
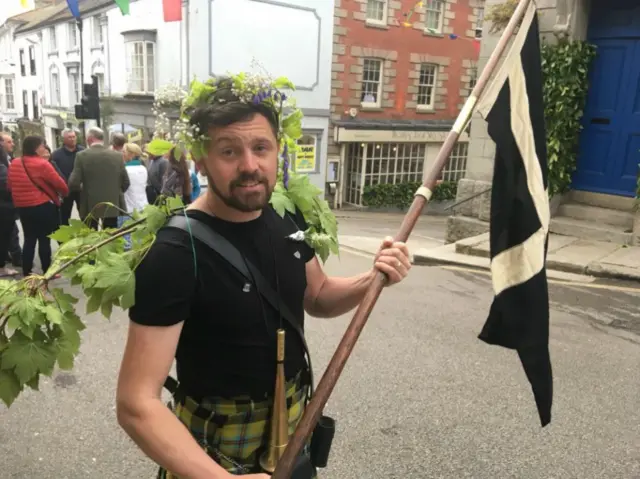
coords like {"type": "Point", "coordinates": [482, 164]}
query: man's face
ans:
{"type": "Point", "coordinates": [70, 140]}
{"type": "Point", "coordinates": [7, 143]}
{"type": "Point", "coordinates": [242, 164]}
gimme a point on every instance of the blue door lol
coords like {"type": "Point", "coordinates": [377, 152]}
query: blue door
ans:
{"type": "Point", "coordinates": [610, 141]}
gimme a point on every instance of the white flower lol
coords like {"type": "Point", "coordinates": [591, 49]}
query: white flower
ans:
{"type": "Point", "coordinates": [297, 236]}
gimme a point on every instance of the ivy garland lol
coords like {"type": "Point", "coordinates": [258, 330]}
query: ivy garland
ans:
{"type": "Point", "coordinates": [292, 190]}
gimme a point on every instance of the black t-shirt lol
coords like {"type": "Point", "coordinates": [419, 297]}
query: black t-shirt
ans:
{"type": "Point", "coordinates": [227, 346]}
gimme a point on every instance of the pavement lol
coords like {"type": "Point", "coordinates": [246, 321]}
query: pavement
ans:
{"type": "Point", "coordinates": [566, 254]}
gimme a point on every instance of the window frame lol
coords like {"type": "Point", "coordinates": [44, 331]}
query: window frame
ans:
{"type": "Point", "coordinates": [10, 95]}
{"type": "Point", "coordinates": [72, 33]}
{"type": "Point", "coordinates": [385, 13]}
{"type": "Point", "coordinates": [440, 11]}
{"type": "Point", "coordinates": [129, 51]}
{"type": "Point", "coordinates": [54, 87]}
{"type": "Point", "coordinates": [424, 106]}
{"type": "Point", "coordinates": [316, 135]}
{"type": "Point", "coordinates": [378, 102]}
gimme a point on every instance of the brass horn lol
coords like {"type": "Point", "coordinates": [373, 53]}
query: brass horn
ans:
{"type": "Point", "coordinates": [279, 434]}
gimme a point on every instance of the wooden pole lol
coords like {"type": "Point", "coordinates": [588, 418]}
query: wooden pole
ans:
{"type": "Point", "coordinates": [343, 351]}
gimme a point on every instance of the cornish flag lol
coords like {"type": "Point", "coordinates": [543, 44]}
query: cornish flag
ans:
{"type": "Point", "coordinates": [513, 108]}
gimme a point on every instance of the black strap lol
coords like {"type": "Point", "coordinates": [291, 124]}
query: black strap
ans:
{"type": "Point", "coordinates": [224, 248]}
{"type": "Point", "coordinates": [26, 170]}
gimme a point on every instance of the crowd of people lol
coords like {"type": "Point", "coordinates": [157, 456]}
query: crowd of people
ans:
{"type": "Point", "coordinates": [107, 183]}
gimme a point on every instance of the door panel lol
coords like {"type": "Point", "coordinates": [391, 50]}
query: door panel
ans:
{"type": "Point", "coordinates": [597, 163]}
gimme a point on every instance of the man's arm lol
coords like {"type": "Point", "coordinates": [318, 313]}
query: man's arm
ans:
{"type": "Point", "coordinates": [328, 296]}
{"type": "Point", "coordinates": [149, 422]}
{"type": "Point", "coordinates": [75, 179]}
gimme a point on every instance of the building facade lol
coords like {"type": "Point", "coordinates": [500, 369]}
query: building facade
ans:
{"type": "Point", "coordinates": [599, 205]}
{"type": "Point", "coordinates": [401, 73]}
{"type": "Point", "coordinates": [291, 38]}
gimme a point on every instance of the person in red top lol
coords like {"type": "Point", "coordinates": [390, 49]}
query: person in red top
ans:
{"type": "Point", "coordinates": [37, 190]}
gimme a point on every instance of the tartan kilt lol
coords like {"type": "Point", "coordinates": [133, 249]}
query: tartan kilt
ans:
{"type": "Point", "coordinates": [236, 429]}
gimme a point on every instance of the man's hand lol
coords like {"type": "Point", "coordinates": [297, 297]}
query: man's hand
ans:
{"type": "Point", "coordinates": [393, 260]}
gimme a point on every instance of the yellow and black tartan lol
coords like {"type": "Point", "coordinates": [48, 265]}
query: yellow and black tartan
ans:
{"type": "Point", "coordinates": [235, 432]}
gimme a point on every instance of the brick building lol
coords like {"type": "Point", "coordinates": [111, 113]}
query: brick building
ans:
{"type": "Point", "coordinates": [401, 73]}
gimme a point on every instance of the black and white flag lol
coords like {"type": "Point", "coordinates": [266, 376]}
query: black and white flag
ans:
{"type": "Point", "coordinates": [513, 108]}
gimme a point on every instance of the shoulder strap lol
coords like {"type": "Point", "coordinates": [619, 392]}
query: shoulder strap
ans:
{"type": "Point", "coordinates": [224, 248]}
{"type": "Point", "coordinates": [26, 170]}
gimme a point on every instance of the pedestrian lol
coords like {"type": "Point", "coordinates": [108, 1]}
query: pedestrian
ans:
{"type": "Point", "coordinates": [177, 178]}
{"type": "Point", "coordinates": [100, 176]}
{"type": "Point", "coordinates": [37, 191]}
{"type": "Point", "coordinates": [118, 140]}
{"type": "Point", "coordinates": [15, 251]}
{"type": "Point", "coordinates": [64, 158]}
{"type": "Point", "coordinates": [7, 216]}
{"type": "Point", "coordinates": [191, 303]}
{"type": "Point", "coordinates": [157, 166]}
{"type": "Point", "coordinates": [135, 197]}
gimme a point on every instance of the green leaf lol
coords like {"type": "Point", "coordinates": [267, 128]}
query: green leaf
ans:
{"type": "Point", "coordinates": [10, 387]}
{"type": "Point", "coordinates": [53, 314]}
{"type": "Point", "coordinates": [292, 125]}
{"type": "Point", "coordinates": [64, 300]}
{"type": "Point", "coordinates": [281, 202]}
{"type": "Point", "coordinates": [106, 309]}
{"type": "Point", "coordinates": [95, 299]}
{"type": "Point", "coordinates": [28, 357]}
{"type": "Point", "coordinates": [128, 299]}
{"type": "Point", "coordinates": [34, 383]}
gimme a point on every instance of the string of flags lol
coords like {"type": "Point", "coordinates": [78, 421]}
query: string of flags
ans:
{"type": "Point", "coordinates": [172, 9]}
{"type": "Point", "coordinates": [407, 23]}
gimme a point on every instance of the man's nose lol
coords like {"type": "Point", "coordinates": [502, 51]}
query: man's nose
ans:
{"type": "Point", "coordinates": [248, 161]}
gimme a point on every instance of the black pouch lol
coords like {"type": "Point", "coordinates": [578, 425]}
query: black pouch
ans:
{"type": "Point", "coordinates": [321, 441]}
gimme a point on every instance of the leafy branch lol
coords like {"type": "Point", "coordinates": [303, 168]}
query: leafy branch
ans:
{"type": "Point", "coordinates": [39, 325]}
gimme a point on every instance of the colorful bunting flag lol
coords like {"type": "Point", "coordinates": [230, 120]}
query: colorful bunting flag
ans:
{"type": "Point", "coordinates": [24, 3]}
{"type": "Point", "coordinates": [123, 5]}
{"type": "Point", "coordinates": [172, 10]}
{"type": "Point", "coordinates": [74, 8]}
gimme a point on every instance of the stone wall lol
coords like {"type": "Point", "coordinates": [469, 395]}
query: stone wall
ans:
{"type": "Point", "coordinates": [472, 217]}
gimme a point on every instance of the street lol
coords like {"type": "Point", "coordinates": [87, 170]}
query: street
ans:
{"type": "Point", "coordinates": [420, 397]}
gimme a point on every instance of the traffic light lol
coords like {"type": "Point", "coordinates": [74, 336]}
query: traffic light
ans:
{"type": "Point", "coordinates": [89, 108]}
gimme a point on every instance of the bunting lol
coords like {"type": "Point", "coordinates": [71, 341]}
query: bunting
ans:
{"type": "Point", "coordinates": [172, 10]}
{"type": "Point", "coordinates": [123, 5]}
{"type": "Point", "coordinates": [74, 8]}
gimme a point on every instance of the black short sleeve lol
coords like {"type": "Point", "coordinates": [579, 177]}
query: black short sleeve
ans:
{"type": "Point", "coordinates": [165, 282]}
{"type": "Point", "coordinates": [308, 253]}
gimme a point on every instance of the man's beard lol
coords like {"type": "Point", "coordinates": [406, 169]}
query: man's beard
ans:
{"type": "Point", "coordinates": [247, 203]}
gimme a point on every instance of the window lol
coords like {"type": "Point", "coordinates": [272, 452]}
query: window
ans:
{"type": "Point", "coordinates": [73, 35]}
{"type": "Point", "coordinates": [32, 60]}
{"type": "Point", "coordinates": [427, 86]}
{"type": "Point", "coordinates": [434, 15]}
{"type": "Point", "coordinates": [74, 86]}
{"type": "Point", "coordinates": [100, 83]}
{"type": "Point", "coordinates": [53, 40]}
{"type": "Point", "coordinates": [98, 40]}
{"type": "Point", "coordinates": [305, 160]}
{"type": "Point", "coordinates": [456, 167]}
{"type": "Point", "coordinates": [34, 98]}
{"type": "Point", "coordinates": [8, 89]}
{"type": "Point", "coordinates": [381, 163]}
{"type": "Point", "coordinates": [55, 87]}
{"type": "Point", "coordinates": [377, 11]}
{"type": "Point", "coordinates": [141, 66]}
{"type": "Point", "coordinates": [23, 66]}
{"type": "Point", "coordinates": [371, 82]}
{"type": "Point", "coordinates": [480, 20]}
{"type": "Point", "coordinates": [25, 103]}
{"type": "Point", "coordinates": [473, 77]}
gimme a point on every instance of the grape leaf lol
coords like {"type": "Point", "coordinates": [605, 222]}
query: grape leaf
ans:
{"type": "Point", "coordinates": [28, 357]}
{"type": "Point", "coordinates": [95, 299]}
{"type": "Point", "coordinates": [64, 300]}
{"type": "Point", "coordinates": [53, 314]}
{"type": "Point", "coordinates": [9, 387]}
{"type": "Point", "coordinates": [281, 202]}
{"type": "Point", "coordinates": [34, 383]}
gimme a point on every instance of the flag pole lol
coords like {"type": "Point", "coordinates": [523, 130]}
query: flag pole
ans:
{"type": "Point", "coordinates": [330, 377]}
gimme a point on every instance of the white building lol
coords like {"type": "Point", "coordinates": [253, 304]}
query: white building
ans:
{"type": "Point", "coordinates": [292, 38]}
{"type": "Point", "coordinates": [21, 61]}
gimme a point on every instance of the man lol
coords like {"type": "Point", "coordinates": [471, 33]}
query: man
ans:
{"type": "Point", "coordinates": [118, 141]}
{"type": "Point", "coordinates": [64, 158]}
{"type": "Point", "coordinates": [99, 174]}
{"type": "Point", "coordinates": [216, 324]}
{"type": "Point", "coordinates": [15, 251]}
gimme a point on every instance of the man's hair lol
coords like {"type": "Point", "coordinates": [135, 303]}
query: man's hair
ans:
{"type": "Point", "coordinates": [66, 131]}
{"type": "Point", "coordinates": [95, 132]}
{"type": "Point", "coordinates": [118, 140]}
{"type": "Point", "coordinates": [3, 135]}
{"type": "Point", "coordinates": [224, 108]}
{"type": "Point", "coordinates": [31, 144]}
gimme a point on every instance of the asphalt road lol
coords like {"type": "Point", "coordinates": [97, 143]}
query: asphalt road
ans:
{"type": "Point", "coordinates": [421, 396]}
